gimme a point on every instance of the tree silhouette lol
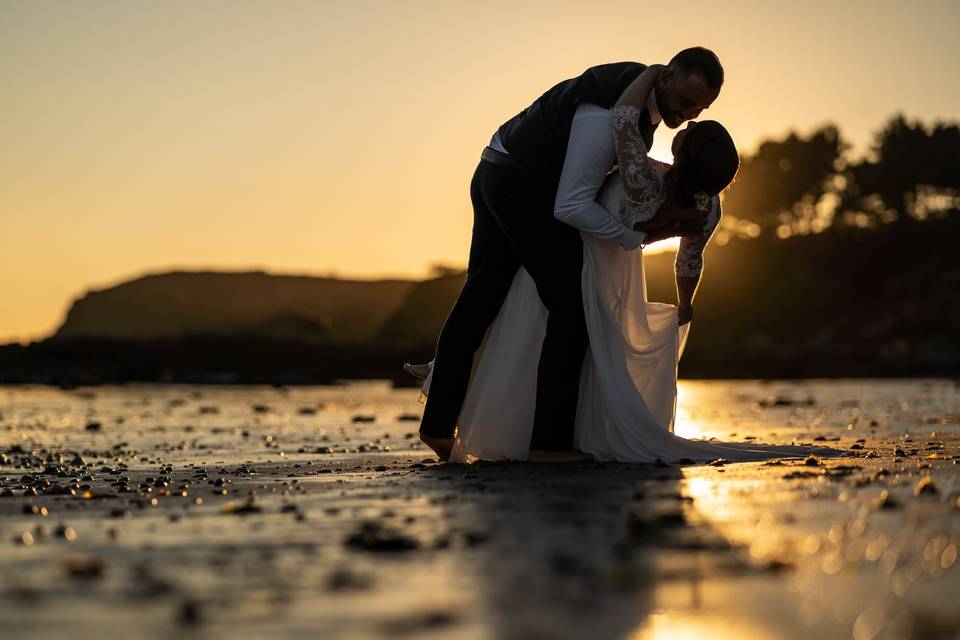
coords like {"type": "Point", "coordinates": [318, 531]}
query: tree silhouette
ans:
{"type": "Point", "coordinates": [784, 181]}
{"type": "Point", "coordinates": [911, 174]}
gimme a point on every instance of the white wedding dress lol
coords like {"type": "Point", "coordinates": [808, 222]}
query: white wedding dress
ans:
{"type": "Point", "coordinates": [628, 384]}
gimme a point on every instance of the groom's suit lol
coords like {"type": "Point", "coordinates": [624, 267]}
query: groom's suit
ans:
{"type": "Point", "coordinates": [513, 192]}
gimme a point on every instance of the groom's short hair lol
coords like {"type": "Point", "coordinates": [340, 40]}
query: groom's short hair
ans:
{"type": "Point", "coordinates": [702, 61]}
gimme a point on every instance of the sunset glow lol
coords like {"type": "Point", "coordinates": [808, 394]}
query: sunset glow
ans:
{"type": "Point", "coordinates": [320, 137]}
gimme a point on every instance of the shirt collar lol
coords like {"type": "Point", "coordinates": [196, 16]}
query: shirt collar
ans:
{"type": "Point", "coordinates": [652, 106]}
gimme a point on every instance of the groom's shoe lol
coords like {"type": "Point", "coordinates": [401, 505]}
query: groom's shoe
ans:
{"type": "Point", "coordinates": [443, 447]}
{"type": "Point", "coordinates": [570, 455]}
{"type": "Point", "coordinates": [420, 371]}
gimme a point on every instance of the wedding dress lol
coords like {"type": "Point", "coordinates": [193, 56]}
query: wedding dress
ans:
{"type": "Point", "coordinates": [628, 383]}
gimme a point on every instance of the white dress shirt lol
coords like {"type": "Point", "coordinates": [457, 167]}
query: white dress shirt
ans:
{"type": "Point", "coordinates": [591, 153]}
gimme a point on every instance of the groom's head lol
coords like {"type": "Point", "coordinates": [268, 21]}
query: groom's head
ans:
{"type": "Point", "coordinates": [688, 85]}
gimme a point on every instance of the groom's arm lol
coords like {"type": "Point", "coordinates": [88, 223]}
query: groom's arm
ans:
{"type": "Point", "coordinates": [590, 156]}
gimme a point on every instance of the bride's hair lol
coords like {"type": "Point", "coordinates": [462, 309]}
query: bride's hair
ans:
{"type": "Point", "coordinates": [706, 162]}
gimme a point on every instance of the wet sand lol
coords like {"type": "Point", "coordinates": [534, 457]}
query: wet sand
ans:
{"type": "Point", "coordinates": [214, 512]}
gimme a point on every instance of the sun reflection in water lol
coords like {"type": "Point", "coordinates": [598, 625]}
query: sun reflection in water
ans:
{"type": "Point", "coordinates": [682, 626]}
{"type": "Point", "coordinates": [685, 425]}
{"type": "Point", "coordinates": [720, 501]}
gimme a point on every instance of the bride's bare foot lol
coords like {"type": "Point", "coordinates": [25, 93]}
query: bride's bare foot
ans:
{"type": "Point", "coordinates": [417, 370]}
{"type": "Point", "coordinates": [570, 455]}
{"type": "Point", "coordinates": [443, 447]}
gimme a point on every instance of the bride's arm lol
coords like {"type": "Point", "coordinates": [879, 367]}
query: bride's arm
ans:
{"type": "Point", "coordinates": [637, 92]}
{"type": "Point", "coordinates": [672, 219]}
{"type": "Point", "coordinates": [630, 148]}
{"type": "Point", "coordinates": [689, 262]}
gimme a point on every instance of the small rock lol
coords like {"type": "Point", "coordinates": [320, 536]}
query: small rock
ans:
{"type": "Point", "coordinates": [84, 567]}
{"type": "Point", "coordinates": [783, 401]}
{"type": "Point", "coordinates": [475, 538]}
{"type": "Point", "coordinates": [925, 487]}
{"type": "Point", "coordinates": [885, 501]}
{"type": "Point", "coordinates": [246, 508]}
{"type": "Point", "coordinates": [373, 536]}
{"type": "Point", "coordinates": [65, 532]}
{"type": "Point", "coordinates": [345, 580]}
{"type": "Point", "coordinates": [189, 613]}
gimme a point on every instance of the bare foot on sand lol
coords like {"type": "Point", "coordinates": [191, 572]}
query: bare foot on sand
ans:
{"type": "Point", "coordinates": [443, 447]}
{"type": "Point", "coordinates": [417, 370]}
{"type": "Point", "coordinates": [570, 455]}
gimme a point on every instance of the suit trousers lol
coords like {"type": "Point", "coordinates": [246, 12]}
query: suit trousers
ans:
{"type": "Point", "coordinates": [514, 226]}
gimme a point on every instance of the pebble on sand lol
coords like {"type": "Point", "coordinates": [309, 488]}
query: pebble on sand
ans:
{"type": "Point", "coordinates": [373, 536]}
{"type": "Point", "coordinates": [343, 579]}
{"type": "Point", "coordinates": [885, 501]}
{"type": "Point", "coordinates": [245, 508]}
{"type": "Point", "coordinates": [65, 532]}
{"type": "Point", "coordinates": [189, 613]}
{"type": "Point", "coordinates": [926, 487]}
{"type": "Point", "coordinates": [84, 567]}
{"type": "Point", "coordinates": [783, 401]}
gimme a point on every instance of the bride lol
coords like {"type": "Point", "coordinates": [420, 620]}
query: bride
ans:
{"type": "Point", "coordinates": [628, 382]}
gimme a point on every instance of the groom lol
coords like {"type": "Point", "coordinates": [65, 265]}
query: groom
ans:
{"type": "Point", "coordinates": [519, 201]}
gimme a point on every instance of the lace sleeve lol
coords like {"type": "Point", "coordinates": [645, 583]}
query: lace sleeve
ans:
{"type": "Point", "coordinates": [689, 262]}
{"type": "Point", "coordinates": [641, 184]}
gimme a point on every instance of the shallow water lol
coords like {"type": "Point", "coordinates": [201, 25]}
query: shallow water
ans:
{"type": "Point", "coordinates": [313, 512]}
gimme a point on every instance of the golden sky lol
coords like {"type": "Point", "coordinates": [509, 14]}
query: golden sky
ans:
{"type": "Point", "coordinates": [317, 137]}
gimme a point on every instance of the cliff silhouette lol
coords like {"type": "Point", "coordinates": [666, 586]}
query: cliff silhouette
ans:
{"type": "Point", "coordinates": [182, 303]}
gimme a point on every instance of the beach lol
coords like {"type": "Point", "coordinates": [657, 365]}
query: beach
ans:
{"type": "Point", "coordinates": [153, 511]}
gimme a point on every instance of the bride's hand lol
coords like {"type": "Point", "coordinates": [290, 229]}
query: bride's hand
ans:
{"type": "Point", "coordinates": [681, 225]}
{"type": "Point", "coordinates": [637, 91]}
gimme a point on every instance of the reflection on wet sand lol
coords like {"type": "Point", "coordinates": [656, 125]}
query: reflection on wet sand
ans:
{"type": "Point", "coordinates": [666, 626]}
{"type": "Point", "coordinates": [251, 512]}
